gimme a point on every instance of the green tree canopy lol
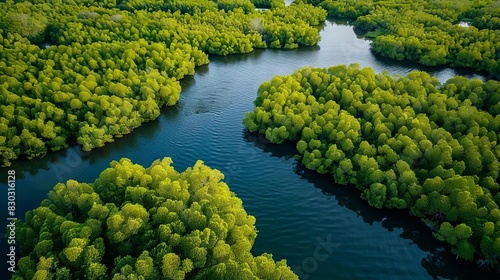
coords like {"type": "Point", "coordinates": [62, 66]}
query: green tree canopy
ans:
{"type": "Point", "coordinates": [405, 142]}
{"type": "Point", "coordinates": [144, 223]}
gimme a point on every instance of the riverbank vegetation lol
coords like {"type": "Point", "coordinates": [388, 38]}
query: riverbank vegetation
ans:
{"type": "Point", "coordinates": [405, 142]}
{"type": "Point", "coordinates": [459, 34]}
{"type": "Point", "coordinates": [144, 223]}
{"type": "Point", "coordinates": [268, 4]}
{"type": "Point", "coordinates": [90, 71]}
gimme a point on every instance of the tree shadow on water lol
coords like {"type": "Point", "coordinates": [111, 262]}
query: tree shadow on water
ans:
{"type": "Point", "coordinates": [285, 150]}
{"type": "Point", "coordinates": [440, 262]}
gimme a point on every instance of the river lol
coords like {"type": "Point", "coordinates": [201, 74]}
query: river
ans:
{"type": "Point", "coordinates": [325, 231]}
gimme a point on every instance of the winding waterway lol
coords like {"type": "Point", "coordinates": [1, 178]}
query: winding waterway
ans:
{"type": "Point", "coordinates": [325, 231]}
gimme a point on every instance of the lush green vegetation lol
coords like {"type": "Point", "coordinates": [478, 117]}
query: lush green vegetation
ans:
{"type": "Point", "coordinates": [144, 223]}
{"type": "Point", "coordinates": [268, 4]}
{"type": "Point", "coordinates": [405, 142]}
{"type": "Point", "coordinates": [90, 71]}
{"type": "Point", "coordinates": [428, 31]}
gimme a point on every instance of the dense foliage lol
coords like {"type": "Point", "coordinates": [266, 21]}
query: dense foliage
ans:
{"type": "Point", "coordinates": [144, 223]}
{"type": "Point", "coordinates": [428, 31]}
{"type": "Point", "coordinates": [268, 4]}
{"type": "Point", "coordinates": [405, 142]}
{"type": "Point", "coordinates": [95, 70]}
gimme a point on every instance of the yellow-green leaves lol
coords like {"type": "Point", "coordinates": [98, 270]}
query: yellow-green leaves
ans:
{"type": "Point", "coordinates": [405, 142]}
{"type": "Point", "coordinates": [127, 222]}
{"type": "Point", "coordinates": [146, 223]}
{"type": "Point", "coordinates": [29, 25]}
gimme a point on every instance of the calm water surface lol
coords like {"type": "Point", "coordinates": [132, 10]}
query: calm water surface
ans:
{"type": "Point", "coordinates": [297, 211]}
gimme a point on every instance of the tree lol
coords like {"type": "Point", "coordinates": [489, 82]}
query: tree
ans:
{"type": "Point", "coordinates": [144, 223]}
{"type": "Point", "coordinates": [31, 26]}
{"type": "Point", "coordinates": [408, 142]}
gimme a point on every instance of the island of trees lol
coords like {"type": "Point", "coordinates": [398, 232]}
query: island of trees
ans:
{"type": "Point", "coordinates": [404, 142]}
{"type": "Point", "coordinates": [445, 32]}
{"type": "Point", "coordinates": [144, 223]}
{"type": "Point", "coordinates": [89, 71]}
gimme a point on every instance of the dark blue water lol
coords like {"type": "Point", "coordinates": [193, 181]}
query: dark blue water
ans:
{"type": "Point", "coordinates": [325, 231]}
